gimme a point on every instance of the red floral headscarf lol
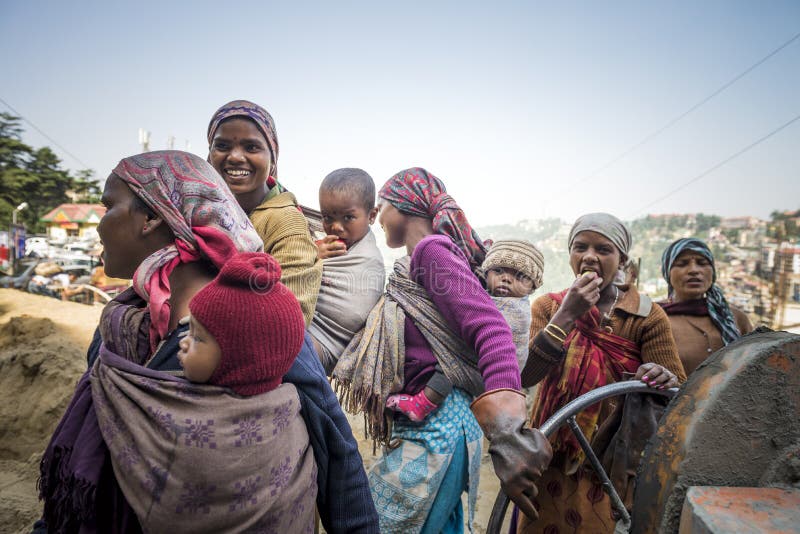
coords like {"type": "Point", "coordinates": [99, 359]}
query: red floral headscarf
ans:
{"type": "Point", "coordinates": [417, 192]}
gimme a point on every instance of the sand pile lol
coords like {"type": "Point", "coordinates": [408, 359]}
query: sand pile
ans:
{"type": "Point", "coordinates": [43, 345]}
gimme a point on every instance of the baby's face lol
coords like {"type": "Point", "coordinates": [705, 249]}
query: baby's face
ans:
{"type": "Point", "coordinates": [506, 282]}
{"type": "Point", "coordinates": [199, 353]}
{"type": "Point", "coordinates": [344, 216]}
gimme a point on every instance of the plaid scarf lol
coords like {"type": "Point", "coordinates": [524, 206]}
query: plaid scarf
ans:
{"type": "Point", "coordinates": [417, 192]}
{"type": "Point", "coordinates": [200, 211]}
{"type": "Point", "coordinates": [594, 359]}
{"type": "Point", "coordinates": [371, 367]}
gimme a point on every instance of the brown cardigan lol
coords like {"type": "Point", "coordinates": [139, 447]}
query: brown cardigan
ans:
{"type": "Point", "coordinates": [697, 337]}
{"type": "Point", "coordinates": [647, 327]}
{"type": "Point", "coordinates": [286, 237]}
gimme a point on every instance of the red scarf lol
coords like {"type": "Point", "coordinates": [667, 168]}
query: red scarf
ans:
{"type": "Point", "coordinates": [594, 359]}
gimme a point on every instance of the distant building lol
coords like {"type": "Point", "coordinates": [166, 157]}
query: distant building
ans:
{"type": "Point", "coordinates": [739, 223]}
{"type": "Point", "coordinates": [768, 256]}
{"type": "Point", "coordinates": [74, 220]}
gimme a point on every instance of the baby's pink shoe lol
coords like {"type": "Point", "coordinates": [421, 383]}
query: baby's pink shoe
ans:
{"type": "Point", "coordinates": [415, 407]}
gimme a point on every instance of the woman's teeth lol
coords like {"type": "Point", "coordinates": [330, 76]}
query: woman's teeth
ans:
{"type": "Point", "coordinates": [237, 173]}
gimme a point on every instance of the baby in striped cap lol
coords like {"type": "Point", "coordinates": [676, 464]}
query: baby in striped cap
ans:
{"type": "Point", "coordinates": [513, 270]}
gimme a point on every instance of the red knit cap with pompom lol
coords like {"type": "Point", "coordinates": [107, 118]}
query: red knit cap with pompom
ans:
{"type": "Point", "coordinates": [255, 319]}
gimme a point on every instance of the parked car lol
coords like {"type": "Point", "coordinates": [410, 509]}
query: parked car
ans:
{"type": "Point", "coordinates": [75, 259]}
{"type": "Point", "coordinates": [37, 246]}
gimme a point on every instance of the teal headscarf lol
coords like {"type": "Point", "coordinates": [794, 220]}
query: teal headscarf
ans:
{"type": "Point", "coordinates": [718, 308]}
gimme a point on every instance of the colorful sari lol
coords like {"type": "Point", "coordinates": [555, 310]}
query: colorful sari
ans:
{"type": "Point", "coordinates": [417, 485]}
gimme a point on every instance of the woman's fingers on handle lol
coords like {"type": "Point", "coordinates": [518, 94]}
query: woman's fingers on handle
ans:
{"type": "Point", "coordinates": [643, 370]}
{"type": "Point", "coordinates": [656, 376]}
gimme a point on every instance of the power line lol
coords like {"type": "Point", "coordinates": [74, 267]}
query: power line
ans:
{"type": "Point", "coordinates": [672, 122]}
{"type": "Point", "coordinates": [720, 164]}
{"type": "Point", "coordinates": [56, 143]}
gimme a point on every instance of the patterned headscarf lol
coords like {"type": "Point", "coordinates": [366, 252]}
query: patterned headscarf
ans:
{"type": "Point", "coordinates": [202, 213]}
{"type": "Point", "coordinates": [718, 308]}
{"type": "Point", "coordinates": [606, 225]}
{"type": "Point", "coordinates": [417, 192]}
{"type": "Point", "coordinates": [254, 112]}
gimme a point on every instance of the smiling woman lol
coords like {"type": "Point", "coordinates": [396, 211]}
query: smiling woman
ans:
{"type": "Point", "coordinates": [243, 148]}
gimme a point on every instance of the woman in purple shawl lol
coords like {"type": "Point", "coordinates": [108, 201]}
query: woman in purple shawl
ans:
{"type": "Point", "coordinates": [171, 223]}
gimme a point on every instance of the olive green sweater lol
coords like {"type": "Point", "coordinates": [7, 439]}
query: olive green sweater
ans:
{"type": "Point", "coordinates": [651, 333]}
{"type": "Point", "coordinates": [285, 233]}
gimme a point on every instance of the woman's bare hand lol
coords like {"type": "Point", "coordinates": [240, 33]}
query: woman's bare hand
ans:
{"type": "Point", "coordinates": [581, 296]}
{"type": "Point", "coordinates": [656, 376]}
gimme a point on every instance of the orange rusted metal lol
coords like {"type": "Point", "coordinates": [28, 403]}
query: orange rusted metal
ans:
{"type": "Point", "coordinates": [712, 510]}
{"type": "Point", "coordinates": [734, 421]}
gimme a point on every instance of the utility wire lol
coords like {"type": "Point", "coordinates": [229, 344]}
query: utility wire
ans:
{"type": "Point", "coordinates": [672, 122]}
{"type": "Point", "coordinates": [720, 164]}
{"type": "Point", "coordinates": [56, 143]}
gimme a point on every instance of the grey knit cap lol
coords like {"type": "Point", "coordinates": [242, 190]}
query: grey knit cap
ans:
{"type": "Point", "coordinates": [519, 255]}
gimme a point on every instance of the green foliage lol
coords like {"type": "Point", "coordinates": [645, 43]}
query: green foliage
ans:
{"type": "Point", "coordinates": [784, 225]}
{"type": "Point", "coordinates": [35, 176]}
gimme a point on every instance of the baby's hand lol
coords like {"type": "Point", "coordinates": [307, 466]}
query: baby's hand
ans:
{"type": "Point", "coordinates": [330, 246]}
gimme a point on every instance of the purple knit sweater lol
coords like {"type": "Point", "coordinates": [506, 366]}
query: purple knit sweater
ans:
{"type": "Point", "coordinates": [441, 268]}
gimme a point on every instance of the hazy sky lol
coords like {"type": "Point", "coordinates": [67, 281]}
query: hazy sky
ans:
{"type": "Point", "coordinates": [513, 105]}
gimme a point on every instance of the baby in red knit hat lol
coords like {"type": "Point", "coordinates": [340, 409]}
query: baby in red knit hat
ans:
{"type": "Point", "coordinates": [245, 328]}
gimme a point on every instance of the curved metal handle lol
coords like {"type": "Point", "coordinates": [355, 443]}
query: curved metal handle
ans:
{"type": "Point", "coordinates": [562, 416]}
{"type": "Point", "coordinates": [596, 395]}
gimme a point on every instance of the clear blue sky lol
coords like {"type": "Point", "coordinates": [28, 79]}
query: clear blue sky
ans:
{"type": "Point", "coordinates": [509, 103]}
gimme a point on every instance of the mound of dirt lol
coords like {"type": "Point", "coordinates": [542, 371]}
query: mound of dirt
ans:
{"type": "Point", "coordinates": [42, 355]}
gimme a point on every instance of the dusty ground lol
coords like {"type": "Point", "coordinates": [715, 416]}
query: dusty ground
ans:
{"type": "Point", "coordinates": [42, 354]}
{"type": "Point", "coordinates": [43, 345]}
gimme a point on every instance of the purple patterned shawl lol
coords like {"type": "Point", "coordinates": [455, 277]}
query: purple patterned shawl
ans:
{"type": "Point", "coordinates": [202, 457]}
{"type": "Point", "coordinates": [121, 406]}
{"type": "Point", "coordinates": [202, 213]}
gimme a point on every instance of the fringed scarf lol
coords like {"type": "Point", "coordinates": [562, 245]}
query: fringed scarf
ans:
{"type": "Point", "coordinates": [371, 367]}
{"type": "Point", "coordinates": [417, 192]}
{"type": "Point", "coordinates": [594, 359]}
{"type": "Point", "coordinates": [200, 211]}
{"type": "Point", "coordinates": [715, 301]}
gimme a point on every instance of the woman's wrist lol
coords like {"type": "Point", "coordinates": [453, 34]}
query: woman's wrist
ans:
{"type": "Point", "coordinates": [563, 321]}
